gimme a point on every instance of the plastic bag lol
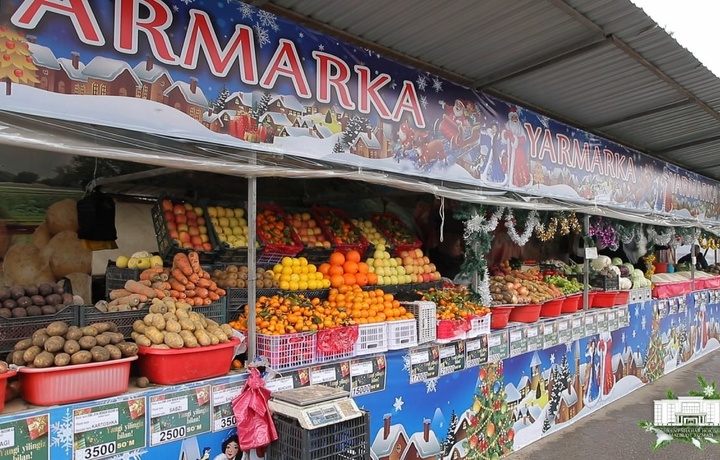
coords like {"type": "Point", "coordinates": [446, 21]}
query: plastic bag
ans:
{"type": "Point", "coordinates": [255, 425]}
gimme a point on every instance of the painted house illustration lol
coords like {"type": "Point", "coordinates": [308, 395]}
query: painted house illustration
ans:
{"type": "Point", "coordinates": [46, 63]}
{"type": "Point", "coordinates": [217, 122]}
{"type": "Point", "coordinates": [462, 425]}
{"type": "Point", "coordinates": [155, 79]}
{"type": "Point", "coordinates": [366, 145]}
{"type": "Point", "coordinates": [390, 442]}
{"type": "Point", "coordinates": [321, 131]}
{"type": "Point", "coordinates": [110, 77]}
{"type": "Point", "coordinates": [458, 451]}
{"type": "Point", "coordinates": [523, 385]}
{"type": "Point", "coordinates": [276, 121]}
{"type": "Point", "coordinates": [535, 376]}
{"type": "Point", "coordinates": [240, 102]}
{"type": "Point", "coordinates": [286, 105]}
{"type": "Point", "coordinates": [187, 98]}
{"type": "Point", "coordinates": [513, 396]}
{"type": "Point", "coordinates": [687, 410]}
{"type": "Point", "coordinates": [423, 444]}
{"type": "Point", "coordinates": [291, 131]}
{"type": "Point", "coordinates": [71, 80]}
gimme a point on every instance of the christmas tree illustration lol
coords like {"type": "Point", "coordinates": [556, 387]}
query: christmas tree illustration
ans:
{"type": "Point", "coordinates": [655, 363]}
{"type": "Point", "coordinates": [490, 434]}
{"type": "Point", "coordinates": [16, 64]}
{"type": "Point", "coordinates": [449, 441]}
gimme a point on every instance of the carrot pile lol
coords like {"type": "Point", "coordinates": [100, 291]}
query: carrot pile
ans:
{"type": "Point", "coordinates": [186, 280]}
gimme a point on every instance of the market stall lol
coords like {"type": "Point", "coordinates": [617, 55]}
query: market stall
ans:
{"type": "Point", "coordinates": [526, 350]}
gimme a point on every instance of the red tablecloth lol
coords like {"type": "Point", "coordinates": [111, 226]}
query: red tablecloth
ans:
{"type": "Point", "coordinates": [665, 290]}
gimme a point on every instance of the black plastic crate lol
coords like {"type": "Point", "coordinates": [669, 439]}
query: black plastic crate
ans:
{"type": "Point", "coordinates": [216, 311]}
{"type": "Point", "coordinates": [346, 440]}
{"type": "Point", "coordinates": [599, 281]}
{"type": "Point", "coordinates": [169, 247]}
{"type": "Point", "coordinates": [115, 277]}
{"type": "Point", "coordinates": [12, 330]}
{"type": "Point", "coordinates": [124, 320]}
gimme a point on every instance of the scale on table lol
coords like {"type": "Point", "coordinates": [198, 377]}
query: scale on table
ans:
{"type": "Point", "coordinates": [315, 406]}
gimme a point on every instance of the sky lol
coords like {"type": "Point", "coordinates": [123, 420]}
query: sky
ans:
{"type": "Point", "coordinates": [691, 23]}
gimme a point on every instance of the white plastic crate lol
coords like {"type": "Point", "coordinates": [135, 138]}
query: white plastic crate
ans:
{"type": "Point", "coordinates": [288, 351]}
{"type": "Point", "coordinates": [336, 343]}
{"type": "Point", "coordinates": [372, 338]}
{"type": "Point", "coordinates": [402, 334]}
{"type": "Point", "coordinates": [424, 312]}
{"type": "Point", "coordinates": [479, 325]}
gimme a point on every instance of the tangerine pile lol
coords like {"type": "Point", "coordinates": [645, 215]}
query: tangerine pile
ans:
{"type": "Point", "coordinates": [454, 304]}
{"type": "Point", "coordinates": [347, 270]}
{"type": "Point", "coordinates": [273, 228]}
{"type": "Point", "coordinates": [346, 306]}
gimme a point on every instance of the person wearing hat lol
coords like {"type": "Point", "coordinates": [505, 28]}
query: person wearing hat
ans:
{"type": "Point", "coordinates": [700, 262]}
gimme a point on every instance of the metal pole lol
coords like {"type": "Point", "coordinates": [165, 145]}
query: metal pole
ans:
{"type": "Point", "coordinates": [476, 275]}
{"type": "Point", "coordinates": [252, 263]}
{"type": "Point", "coordinates": [586, 265]}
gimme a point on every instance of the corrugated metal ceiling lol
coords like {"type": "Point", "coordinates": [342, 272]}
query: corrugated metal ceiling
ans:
{"type": "Point", "coordinates": [601, 65]}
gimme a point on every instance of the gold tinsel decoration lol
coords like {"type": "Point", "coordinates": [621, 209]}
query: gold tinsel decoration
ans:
{"type": "Point", "coordinates": [546, 234]}
{"type": "Point", "coordinates": [564, 225]}
{"type": "Point", "coordinates": [708, 243]}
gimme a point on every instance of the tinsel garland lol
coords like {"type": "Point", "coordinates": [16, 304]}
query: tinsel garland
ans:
{"type": "Point", "coordinates": [478, 241]}
{"type": "Point", "coordinates": [477, 222]}
{"type": "Point", "coordinates": [686, 235]}
{"type": "Point", "coordinates": [558, 224]}
{"type": "Point", "coordinates": [628, 231]}
{"type": "Point", "coordinates": [530, 224]}
{"type": "Point", "coordinates": [660, 238]}
{"type": "Point", "coordinates": [708, 241]}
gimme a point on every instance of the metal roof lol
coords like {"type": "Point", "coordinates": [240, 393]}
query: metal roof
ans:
{"type": "Point", "coordinates": [601, 65]}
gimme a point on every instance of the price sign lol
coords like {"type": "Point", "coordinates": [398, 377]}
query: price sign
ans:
{"type": "Point", "coordinates": [682, 307]}
{"type": "Point", "coordinates": [336, 375]}
{"type": "Point", "coordinates": [223, 417]}
{"type": "Point", "coordinates": [498, 347]}
{"type": "Point", "coordinates": [623, 316]}
{"type": "Point", "coordinates": [674, 306]}
{"type": "Point", "coordinates": [368, 375]}
{"type": "Point", "coordinates": [534, 337]}
{"type": "Point", "coordinates": [550, 334]}
{"type": "Point", "coordinates": [591, 253]}
{"type": "Point", "coordinates": [612, 320]}
{"type": "Point", "coordinates": [25, 438]}
{"type": "Point", "coordinates": [180, 414]}
{"type": "Point", "coordinates": [590, 323]}
{"type": "Point", "coordinates": [564, 330]}
{"type": "Point", "coordinates": [577, 325]}
{"type": "Point", "coordinates": [424, 364]}
{"type": "Point", "coordinates": [518, 341]}
{"type": "Point", "coordinates": [601, 319]}
{"type": "Point", "coordinates": [476, 351]}
{"type": "Point", "coordinates": [662, 308]}
{"type": "Point", "coordinates": [109, 429]}
{"type": "Point", "coordinates": [452, 357]}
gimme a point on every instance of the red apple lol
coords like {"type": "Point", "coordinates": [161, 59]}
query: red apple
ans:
{"type": "Point", "coordinates": [167, 205]}
{"type": "Point", "coordinates": [174, 234]}
{"type": "Point", "coordinates": [193, 231]}
{"type": "Point", "coordinates": [184, 237]}
{"type": "Point", "coordinates": [171, 225]}
{"type": "Point", "coordinates": [180, 218]}
{"type": "Point", "coordinates": [201, 221]}
{"type": "Point", "coordinates": [187, 245]}
{"type": "Point", "coordinates": [196, 240]}
{"type": "Point", "coordinates": [179, 209]}
{"type": "Point", "coordinates": [207, 247]}
{"type": "Point", "coordinates": [182, 228]}
{"type": "Point", "coordinates": [191, 214]}
{"type": "Point", "coordinates": [169, 216]}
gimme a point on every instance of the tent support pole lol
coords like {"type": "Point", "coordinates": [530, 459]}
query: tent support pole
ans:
{"type": "Point", "coordinates": [252, 262]}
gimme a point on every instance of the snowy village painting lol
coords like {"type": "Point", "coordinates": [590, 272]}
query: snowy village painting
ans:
{"type": "Point", "coordinates": [228, 73]}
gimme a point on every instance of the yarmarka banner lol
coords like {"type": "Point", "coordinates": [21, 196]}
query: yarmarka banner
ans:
{"type": "Point", "coordinates": [228, 73]}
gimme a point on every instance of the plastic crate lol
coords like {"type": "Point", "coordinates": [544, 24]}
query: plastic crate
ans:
{"type": "Point", "coordinates": [169, 247]}
{"type": "Point", "coordinates": [171, 367]}
{"type": "Point", "coordinates": [124, 320]}
{"type": "Point", "coordinates": [372, 338]}
{"type": "Point", "coordinates": [227, 254]}
{"type": "Point", "coordinates": [115, 277]}
{"type": "Point", "coordinates": [80, 382]}
{"type": "Point", "coordinates": [216, 311]}
{"type": "Point", "coordinates": [13, 330]}
{"type": "Point", "coordinates": [479, 325]}
{"type": "Point", "coordinates": [287, 351]}
{"type": "Point", "coordinates": [345, 440]}
{"type": "Point", "coordinates": [273, 252]}
{"type": "Point", "coordinates": [336, 343]}
{"type": "Point", "coordinates": [385, 220]}
{"type": "Point", "coordinates": [359, 243]}
{"type": "Point", "coordinates": [402, 334]}
{"type": "Point", "coordinates": [425, 318]}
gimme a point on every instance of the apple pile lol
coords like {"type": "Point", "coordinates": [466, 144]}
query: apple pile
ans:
{"type": "Point", "coordinates": [230, 225]}
{"type": "Point", "coordinates": [309, 231]}
{"type": "Point", "coordinates": [186, 225]}
{"type": "Point", "coordinates": [141, 260]}
{"type": "Point", "coordinates": [418, 264]}
{"type": "Point", "coordinates": [370, 231]}
{"type": "Point", "coordinates": [411, 267]}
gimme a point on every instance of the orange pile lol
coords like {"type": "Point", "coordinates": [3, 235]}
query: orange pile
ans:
{"type": "Point", "coordinates": [366, 307]}
{"type": "Point", "coordinates": [347, 270]}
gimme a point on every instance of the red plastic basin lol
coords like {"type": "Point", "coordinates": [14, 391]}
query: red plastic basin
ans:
{"type": "Point", "coordinates": [3, 386]}
{"type": "Point", "coordinates": [500, 316]}
{"type": "Point", "coordinates": [571, 303]}
{"type": "Point", "coordinates": [170, 367]}
{"type": "Point", "coordinates": [622, 297]}
{"type": "Point", "coordinates": [526, 313]}
{"type": "Point", "coordinates": [552, 307]}
{"type": "Point", "coordinates": [604, 299]}
{"type": "Point", "coordinates": [79, 382]}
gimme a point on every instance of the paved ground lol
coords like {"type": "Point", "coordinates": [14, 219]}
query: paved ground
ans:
{"type": "Point", "coordinates": [612, 432]}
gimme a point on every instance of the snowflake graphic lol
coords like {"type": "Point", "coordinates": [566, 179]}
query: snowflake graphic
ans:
{"type": "Point", "coordinates": [302, 35]}
{"type": "Point", "coordinates": [544, 120]}
{"type": "Point", "coordinates": [634, 333]}
{"type": "Point", "coordinates": [398, 404]}
{"type": "Point", "coordinates": [263, 37]}
{"type": "Point", "coordinates": [421, 82]}
{"type": "Point", "coordinates": [393, 85]}
{"type": "Point", "coordinates": [187, 2]}
{"type": "Point", "coordinates": [130, 455]}
{"type": "Point", "coordinates": [431, 385]}
{"type": "Point", "coordinates": [321, 47]}
{"type": "Point", "coordinates": [437, 84]}
{"type": "Point", "coordinates": [246, 11]}
{"type": "Point", "coordinates": [267, 19]}
{"type": "Point", "coordinates": [623, 337]}
{"type": "Point", "coordinates": [61, 432]}
{"type": "Point", "coordinates": [643, 323]}
{"type": "Point", "coordinates": [424, 101]}
{"type": "Point", "coordinates": [369, 51]}
{"type": "Point", "coordinates": [709, 391]}
{"type": "Point", "coordinates": [175, 8]}
{"type": "Point", "coordinates": [406, 362]}
{"type": "Point", "coordinates": [552, 358]}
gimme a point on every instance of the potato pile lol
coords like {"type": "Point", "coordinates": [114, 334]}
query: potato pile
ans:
{"type": "Point", "coordinates": [60, 345]}
{"type": "Point", "coordinates": [32, 300]}
{"type": "Point", "coordinates": [173, 324]}
{"type": "Point", "coordinates": [236, 277]}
